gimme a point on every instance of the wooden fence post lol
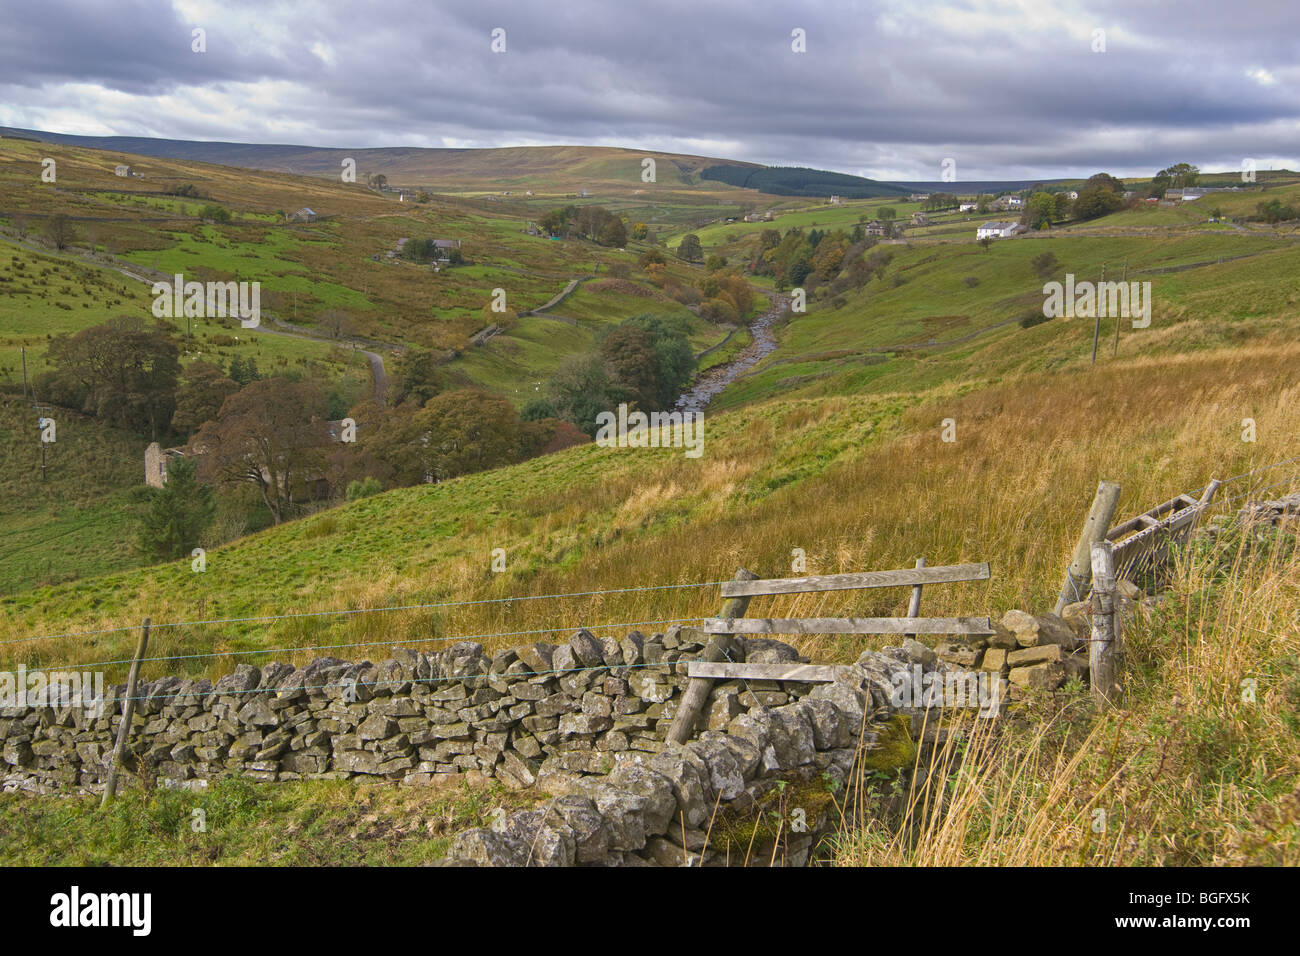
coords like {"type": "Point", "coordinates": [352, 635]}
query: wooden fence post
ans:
{"type": "Point", "coordinates": [914, 605]}
{"type": "Point", "coordinates": [1104, 647]}
{"type": "Point", "coordinates": [697, 691]}
{"type": "Point", "coordinates": [128, 714]}
{"type": "Point", "coordinates": [1079, 572]}
{"type": "Point", "coordinates": [1204, 503]}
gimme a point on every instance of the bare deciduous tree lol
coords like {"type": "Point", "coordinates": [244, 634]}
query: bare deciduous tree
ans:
{"type": "Point", "coordinates": [60, 231]}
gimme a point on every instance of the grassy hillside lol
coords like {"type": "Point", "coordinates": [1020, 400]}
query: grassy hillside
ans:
{"type": "Point", "coordinates": [856, 481]}
{"type": "Point", "coordinates": [339, 263]}
{"type": "Point", "coordinates": [831, 446]}
{"type": "Point", "coordinates": [78, 519]}
{"type": "Point", "coordinates": [951, 312]}
{"type": "Point", "coordinates": [45, 295]}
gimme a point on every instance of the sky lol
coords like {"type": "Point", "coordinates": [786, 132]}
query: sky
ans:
{"type": "Point", "coordinates": [1000, 89]}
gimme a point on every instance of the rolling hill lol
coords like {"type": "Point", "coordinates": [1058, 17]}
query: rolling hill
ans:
{"type": "Point", "coordinates": [553, 168]}
{"type": "Point", "coordinates": [831, 446]}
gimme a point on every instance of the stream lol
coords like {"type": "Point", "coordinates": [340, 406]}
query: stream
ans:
{"type": "Point", "coordinates": [711, 383]}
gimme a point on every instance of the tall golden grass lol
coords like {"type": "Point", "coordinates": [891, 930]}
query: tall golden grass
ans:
{"type": "Point", "coordinates": [858, 483]}
{"type": "Point", "coordinates": [1197, 766]}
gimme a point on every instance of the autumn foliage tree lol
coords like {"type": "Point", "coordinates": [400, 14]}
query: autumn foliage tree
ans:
{"type": "Point", "coordinates": [632, 366]}
{"type": "Point", "coordinates": [690, 249]}
{"type": "Point", "coordinates": [271, 435]}
{"type": "Point", "coordinates": [121, 372]}
{"type": "Point", "coordinates": [203, 391]}
{"type": "Point", "coordinates": [416, 376]}
{"type": "Point", "coordinates": [464, 431]}
{"type": "Point", "coordinates": [455, 433]}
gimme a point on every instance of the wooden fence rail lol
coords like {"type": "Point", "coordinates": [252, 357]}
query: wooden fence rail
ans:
{"type": "Point", "coordinates": [1142, 544]}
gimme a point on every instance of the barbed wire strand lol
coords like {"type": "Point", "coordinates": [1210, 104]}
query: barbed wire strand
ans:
{"type": "Point", "coordinates": [367, 610]}
{"type": "Point", "coordinates": [414, 640]}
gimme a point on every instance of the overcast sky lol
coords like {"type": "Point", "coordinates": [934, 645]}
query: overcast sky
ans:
{"type": "Point", "coordinates": [1007, 90]}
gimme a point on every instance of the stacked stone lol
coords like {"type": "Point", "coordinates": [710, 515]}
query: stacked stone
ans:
{"type": "Point", "coordinates": [561, 709]}
{"type": "Point", "coordinates": [1025, 652]}
{"type": "Point", "coordinates": [1280, 512]}
{"type": "Point", "coordinates": [1040, 652]}
{"type": "Point", "coordinates": [655, 810]}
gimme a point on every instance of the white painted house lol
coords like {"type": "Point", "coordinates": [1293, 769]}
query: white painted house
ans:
{"type": "Point", "coordinates": [996, 230]}
{"type": "Point", "coordinates": [968, 207]}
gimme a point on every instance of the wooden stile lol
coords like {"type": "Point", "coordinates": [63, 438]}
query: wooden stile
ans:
{"type": "Point", "coordinates": [914, 605]}
{"type": "Point", "coordinates": [1143, 542]}
{"type": "Point", "coordinates": [1104, 647]}
{"type": "Point", "coordinates": [718, 663]}
{"type": "Point", "coordinates": [697, 691]}
{"type": "Point", "coordinates": [1078, 575]}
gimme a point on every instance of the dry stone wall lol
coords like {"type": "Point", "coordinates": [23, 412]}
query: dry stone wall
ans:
{"type": "Point", "coordinates": [663, 809]}
{"type": "Point", "coordinates": [539, 709]}
{"type": "Point", "coordinates": [585, 721]}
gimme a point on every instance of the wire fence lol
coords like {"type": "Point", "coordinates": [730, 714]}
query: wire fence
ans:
{"type": "Point", "coordinates": [1147, 562]}
{"type": "Point", "coordinates": [298, 615]}
{"type": "Point", "coordinates": [416, 640]}
{"type": "Point", "coordinates": [326, 648]}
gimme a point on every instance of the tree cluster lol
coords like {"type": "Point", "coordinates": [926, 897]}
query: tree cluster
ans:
{"type": "Point", "coordinates": [588, 222]}
{"type": "Point", "coordinates": [121, 372]}
{"type": "Point", "coordinates": [937, 201]}
{"type": "Point", "coordinates": [1177, 176]}
{"type": "Point", "coordinates": [645, 361]}
{"type": "Point", "coordinates": [1274, 211]}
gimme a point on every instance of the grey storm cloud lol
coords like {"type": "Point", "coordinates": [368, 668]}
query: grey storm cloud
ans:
{"type": "Point", "coordinates": [1007, 88]}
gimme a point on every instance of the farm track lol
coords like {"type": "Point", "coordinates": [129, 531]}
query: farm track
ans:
{"type": "Point", "coordinates": [378, 373]}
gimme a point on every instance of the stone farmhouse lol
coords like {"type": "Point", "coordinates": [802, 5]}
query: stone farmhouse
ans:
{"type": "Point", "coordinates": [997, 230]}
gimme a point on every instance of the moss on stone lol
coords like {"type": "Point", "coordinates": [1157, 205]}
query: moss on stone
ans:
{"type": "Point", "coordinates": [894, 747]}
{"type": "Point", "coordinates": [758, 828]}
